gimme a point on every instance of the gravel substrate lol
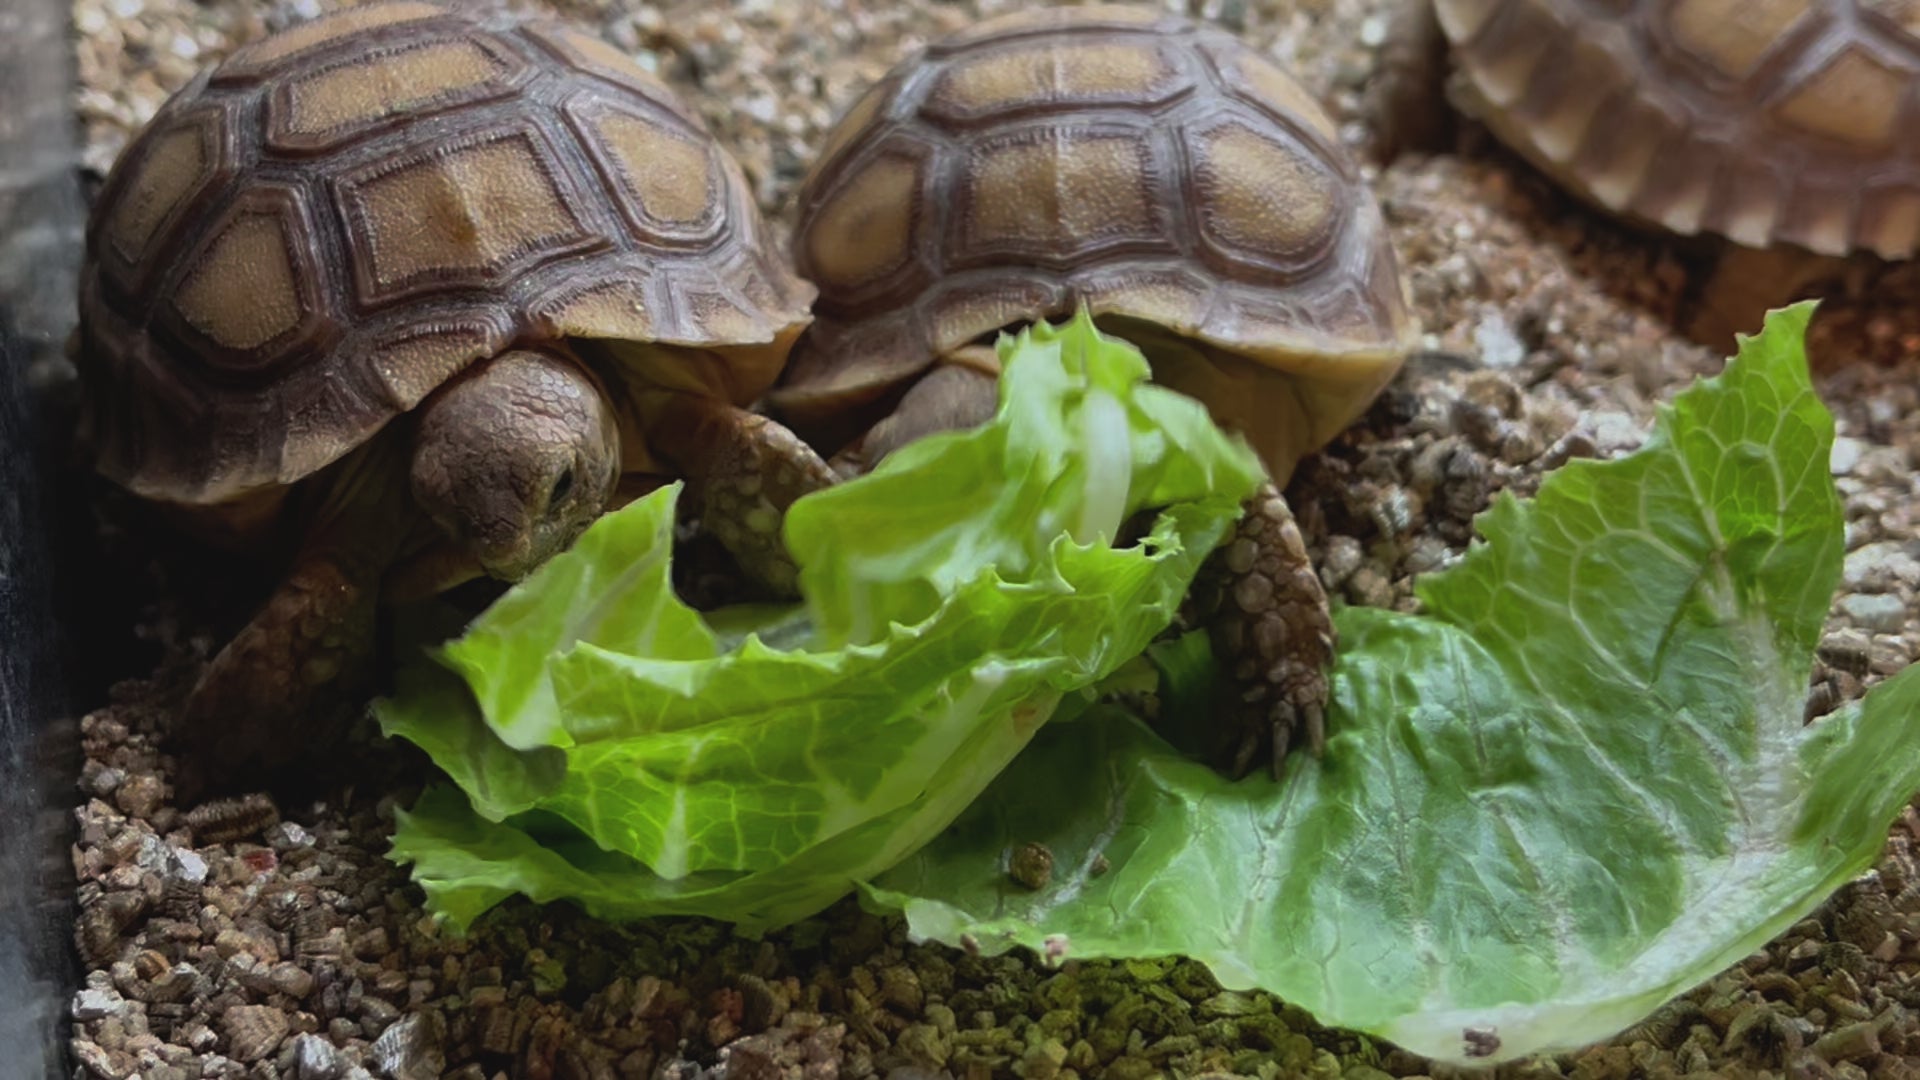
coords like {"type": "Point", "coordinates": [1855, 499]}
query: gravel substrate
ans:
{"type": "Point", "coordinates": [276, 941]}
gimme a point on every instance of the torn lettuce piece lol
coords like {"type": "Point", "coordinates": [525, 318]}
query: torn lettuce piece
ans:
{"type": "Point", "coordinates": [1578, 785]}
{"type": "Point", "coordinates": [612, 746]}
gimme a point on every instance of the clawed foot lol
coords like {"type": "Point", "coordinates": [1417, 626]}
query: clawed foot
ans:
{"type": "Point", "coordinates": [1267, 614]}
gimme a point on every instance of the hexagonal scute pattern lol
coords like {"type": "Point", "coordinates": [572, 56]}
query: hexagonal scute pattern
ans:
{"type": "Point", "coordinates": [1260, 81]}
{"type": "Point", "coordinates": [1053, 73]}
{"type": "Point", "coordinates": [1854, 97]}
{"type": "Point", "coordinates": [1732, 36]}
{"type": "Point", "coordinates": [867, 230]}
{"type": "Point", "coordinates": [334, 222]}
{"type": "Point", "coordinates": [261, 57]}
{"type": "Point", "coordinates": [248, 286]}
{"type": "Point", "coordinates": [465, 216]}
{"type": "Point", "coordinates": [591, 56]}
{"type": "Point", "coordinates": [1263, 197]}
{"type": "Point", "coordinates": [358, 95]}
{"type": "Point", "coordinates": [1055, 195]}
{"type": "Point", "coordinates": [667, 180]}
{"type": "Point", "coordinates": [175, 165]}
{"type": "Point", "coordinates": [1765, 121]}
{"type": "Point", "coordinates": [182, 157]}
{"type": "Point", "coordinates": [1138, 163]}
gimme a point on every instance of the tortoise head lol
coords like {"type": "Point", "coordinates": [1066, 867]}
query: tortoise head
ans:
{"type": "Point", "coordinates": [516, 458]}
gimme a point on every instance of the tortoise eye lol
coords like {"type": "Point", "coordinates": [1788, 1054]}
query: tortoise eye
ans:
{"type": "Point", "coordinates": [562, 486]}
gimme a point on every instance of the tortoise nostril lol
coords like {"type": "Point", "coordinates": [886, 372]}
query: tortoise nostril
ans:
{"type": "Point", "coordinates": [562, 487]}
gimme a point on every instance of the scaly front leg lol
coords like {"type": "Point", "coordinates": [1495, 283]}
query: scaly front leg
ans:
{"type": "Point", "coordinates": [1264, 608]}
{"type": "Point", "coordinates": [743, 471]}
{"type": "Point", "coordinates": [294, 675]}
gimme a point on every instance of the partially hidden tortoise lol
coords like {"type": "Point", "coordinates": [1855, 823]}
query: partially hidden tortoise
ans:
{"type": "Point", "coordinates": [425, 289]}
{"type": "Point", "coordinates": [1179, 186]}
{"type": "Point", "coordinates": [1766, 122]}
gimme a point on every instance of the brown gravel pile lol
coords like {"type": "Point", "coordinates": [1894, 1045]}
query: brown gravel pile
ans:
{"type": "Point", "coordinates": [276, 942]}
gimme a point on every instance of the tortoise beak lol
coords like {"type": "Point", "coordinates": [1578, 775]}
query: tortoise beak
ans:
{"type": "Point", "coordinates": [513, 558]}
{"type": "Point", "coordinates": [509, 561]}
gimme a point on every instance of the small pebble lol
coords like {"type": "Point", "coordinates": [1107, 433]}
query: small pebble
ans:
{"type": "Point", "coordinates": [103, 782]}
{"type": "Point", "coordinates": [1880, 612]}
{"type": "Point", "coordinates": [253, 1031]}
{"type": "Point", "coordinates": [288, 836]}
{"type": "Point", "coordinates": [409, 1050]}
{"type": "Point", "coordinates": [1343, 556]}
{"type": "Point", "coordinates": [186, 865]}
{"type": "Point", "coordinates": [153, 854]}
{"type": "Point", "coordinates": [98, 1061]}
{"type": "Point", "coordinates": [224, 821]}
{"type": "Point", "coordinates": [1845, 455]}
{"type": "Point", "coordinates": [314, 1058]}
{"type": "Point", "coordinates": [1881, 567]}
{"type": "Point", "coordinates": [1888, 656]}
{"type": "Point", "coordinates": [140, 796]}
{"type": "Point", "coordinates": [291, 980]}
{"type": "Point", "coordinates": [1499, 346]}
{"type": "Point", "coordinates": [1614, 433]}
{"type": "Point", "coordinates": [1847, 650]}
{"type": "Point", "coordinates": [97, 1005]}
{"type": "Point", "coordinates": [1369, 587]}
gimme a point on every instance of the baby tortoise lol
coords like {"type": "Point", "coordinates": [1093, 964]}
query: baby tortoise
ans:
{"type": "Point", "coordinates": [1185, 191]}
{"type": "Point", "coordinates": [421, 289]}
{"type": "Point", "coordinates": [1763, 121]}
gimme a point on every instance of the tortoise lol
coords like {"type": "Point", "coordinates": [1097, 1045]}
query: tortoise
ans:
{"type": "Point", "coordinates": [1765, 122]}
{"type": "Point", "coordinates": [1188, 193]}
{"type": "Point", "coordinates": [426, 292]}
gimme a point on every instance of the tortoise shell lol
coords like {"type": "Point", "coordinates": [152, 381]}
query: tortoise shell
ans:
{"type": "Point", "coordinates": [1152, 169]}
{"type": "Point", "coordinates": [1758, 120]}
{"type": "Point", "coordinates": [311, 237]}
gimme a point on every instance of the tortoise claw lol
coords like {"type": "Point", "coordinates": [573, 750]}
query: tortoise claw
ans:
{"type": "Point", "coordinates": [1243, 755]}
{"type": "Point", "coordinates": [1285, 723]}
{"type": "Point", "coordinates": [1316, 725]}
{"type": "Point", "coordinates": [1280, 734]}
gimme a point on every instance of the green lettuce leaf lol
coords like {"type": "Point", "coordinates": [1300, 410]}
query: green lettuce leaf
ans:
{"type": "Point", "coordinates": [612, 746]}
{"type": "Point", "coordinates": [1578, 785]}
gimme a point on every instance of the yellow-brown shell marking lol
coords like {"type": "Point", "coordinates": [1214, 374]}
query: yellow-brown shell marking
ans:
{"type": "Point", "coordinates": [316, 234]}
{"type": "Point", "coordinates": [1149, 167]}
{"type": "Point", "coordinates": [1758, 120]}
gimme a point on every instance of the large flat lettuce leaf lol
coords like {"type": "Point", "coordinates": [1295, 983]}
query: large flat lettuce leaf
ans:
{"type": "Point", "coordinates": [609, 745]}
{"type": "Point", "coordinates": [1577, 785]}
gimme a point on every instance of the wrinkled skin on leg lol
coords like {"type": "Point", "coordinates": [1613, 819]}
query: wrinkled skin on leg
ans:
{"type": "Point", "coordinates": [288, 681]}
{"type": "Point", "coordinates": [508, 463]}
{"type": "Point", "coordinates": [743, 471]}
{"type": "Point", "coordinates": [1258, 595]}
{"type": "Point", "coordinates": [504, 467]}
